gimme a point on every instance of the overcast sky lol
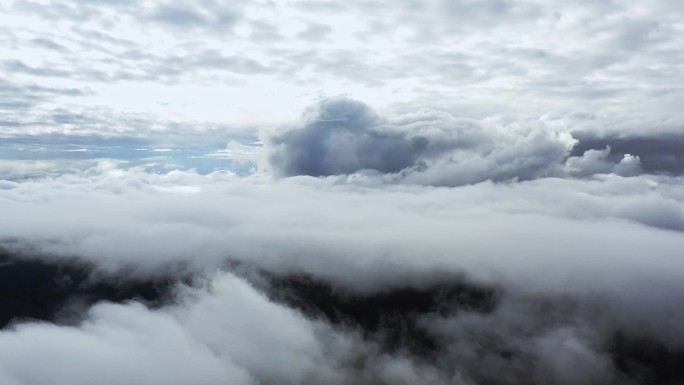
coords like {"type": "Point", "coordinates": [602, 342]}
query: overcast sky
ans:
{"type": "Point", "coordinates": [133, 67]}
{"type": "Point", "coordinates": [341, 192]}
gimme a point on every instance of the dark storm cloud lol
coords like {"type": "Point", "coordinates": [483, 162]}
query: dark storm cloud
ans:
{"type": "Point", "coordinates": [341, 136]}
{"type": "Point", "coordinates": [264, 32]}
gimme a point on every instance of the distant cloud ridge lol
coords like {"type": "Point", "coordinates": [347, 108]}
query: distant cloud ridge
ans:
{"type": "Point", "coordinates": [342, 136]}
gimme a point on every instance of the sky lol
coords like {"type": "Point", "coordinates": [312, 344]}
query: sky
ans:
{"type": "Point", "coordinates": [267, 192]}
{"type": "Point", "coordinates": [81, 76]}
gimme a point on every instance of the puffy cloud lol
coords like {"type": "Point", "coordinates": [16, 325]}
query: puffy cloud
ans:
{"type": "Point", "coordinates": [596, 162]}
{"type": "Point", "coordinates": [226, 333]}
{"type": "Point", "coordinates": [341, 136]}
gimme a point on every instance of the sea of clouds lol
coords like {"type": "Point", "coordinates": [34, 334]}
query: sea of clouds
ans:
{"type": "Point", "coordinates": [321, 267]}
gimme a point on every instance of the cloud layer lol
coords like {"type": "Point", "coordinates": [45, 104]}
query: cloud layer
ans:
{"type": "Point", "coordinates": [583, 273]}
{"type": "Point", "coordinates": [217, 63]}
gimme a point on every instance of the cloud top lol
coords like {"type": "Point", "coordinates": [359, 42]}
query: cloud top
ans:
{"type": "Point", "coordinates": [341, 136]}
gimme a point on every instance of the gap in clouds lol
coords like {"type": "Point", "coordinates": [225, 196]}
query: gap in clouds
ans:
{"type": "Point", "coordinates": [35, 156]}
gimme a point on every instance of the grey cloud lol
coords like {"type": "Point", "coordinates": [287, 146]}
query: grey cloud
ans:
{"type": "Point", "coordinates": [341, 136]}
{"type": "Point", "coordinates": [596, 64]}
{"type": "Point", "coordinates": [18, 98]}
{"type": "Point", "coordinates": [208, 14]}
{"type": "Point", "coordinates": [658, 152]}
{"type": "Point", "coordinates": [109, 2]}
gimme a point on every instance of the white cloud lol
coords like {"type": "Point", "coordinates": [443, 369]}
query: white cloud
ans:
{"type": "Point", "coordinates": [555, 126]}
{"type": "Point", "coordinates": [596, 162]}
{"type": "Point", "coordinates": [492, 57]}
{"type": "Point", "coordinates": [226, 333]}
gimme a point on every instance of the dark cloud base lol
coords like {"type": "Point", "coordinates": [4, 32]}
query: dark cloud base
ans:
{"type": "Point", "coordinates": [647, 362]}
{"type": "Point", "coordinates": [391, 319]}
{"type": "Point", "coordinates": [390, 316]}
{"type": "Point", "coordinates": [34, 289]}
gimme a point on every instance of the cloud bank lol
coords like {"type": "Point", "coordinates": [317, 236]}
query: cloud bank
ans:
{"type": "Point", "coordinates": [353, 278]}
{"type": "Point", "coordinates": [342, 136]}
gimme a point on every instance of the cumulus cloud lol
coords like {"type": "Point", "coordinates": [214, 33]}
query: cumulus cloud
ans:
{"type": "Point", "coordinates": [119, 344]}
{"type": "Point", "coordinates": [344, 136]}
{"type": "Point", "coordinates": [226, 333]}
{"type": "Point", "coordinates": [658, 152]}
{"type": "Point", "coordinates": [341, 136]}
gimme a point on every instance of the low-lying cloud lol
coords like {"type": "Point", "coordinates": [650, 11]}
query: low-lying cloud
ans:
{"type": "Point", "coordinates": [542, 266]}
